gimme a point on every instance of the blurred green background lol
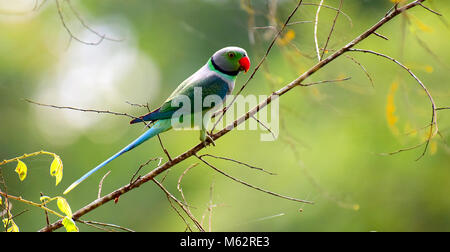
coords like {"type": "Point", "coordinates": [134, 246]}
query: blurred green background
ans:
{"type": "Point", "coordinates": [330, 135]}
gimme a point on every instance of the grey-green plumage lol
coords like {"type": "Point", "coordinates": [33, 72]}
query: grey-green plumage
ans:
{"type": "Point", "coordinates": [216, 78]}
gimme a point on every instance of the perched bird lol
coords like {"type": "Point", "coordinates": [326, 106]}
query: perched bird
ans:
{"type": "Point", "coordinates": [215, 78]}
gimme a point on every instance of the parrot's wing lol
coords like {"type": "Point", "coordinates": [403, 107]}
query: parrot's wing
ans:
{"type": "Point", "coordinates": [211, 84]}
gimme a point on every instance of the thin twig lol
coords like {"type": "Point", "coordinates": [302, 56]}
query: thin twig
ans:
{"type": "Point", "coordinates": [164, 149]}
{"type": "Point", "coordinates": [238, 162]}
{"type": "Point", "coordinates": [31, 203]}
{"type": "Point", "coordinates": [332, 8]}
{"type": "Point", "coordinates": [181, 178]}
{"type": "Point", "coordinates": [363, 68]}
{"type": "Point", "coordinates": [381, 36]}
{"type": "Point", "coordinates": [324, 81]}
{"type": "Point", "coordinates": [96, 223]}
{"type": "Point", "coordinates": [179, 214]}
{"type": "Point", "coordinates": [210, 206]}
{"type": "Point", "coordinates": [402, 150]}
{"type": "Point", "coordinates": [252, 186]}
{"type": "Point", "coordinates": [132, 181]}
{"type": "Point", "coordinates": [72, 36]}
{"type": "Point", "coordinates": [80, 109]}
{"type": "Point", "coordinates": [264, 126]}
{"type": "Point", "coordinates": [430, 10]}
{"type": "Point", "coordinates": [181, 204]}
{"type": "Point", "coordinates": [433, 104]}
{"type": "Point", "coordinates": [275, 28]}
{"type": "Point", "coordinates": [332, 29]}
{"type": "Point", "coordinates": [83, 23]}
{"type": "Point", "coordinates": [45, 211]}
{"type": "Point", "coordinates": [42, 152]}
{"type": "Point", "coordinates": [38, 6]}
{"type": "Point", "coordinates": [316, 24]}
{"type": "Point", "coordinates": [100, 185]}
{"type": "Point", "coordinates": [139, 105]}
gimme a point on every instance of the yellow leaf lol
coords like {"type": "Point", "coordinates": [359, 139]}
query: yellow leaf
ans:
{"type": "Point", "coordinates": [1, 202]}
{"type": "Point", "coordinates": [69, 224]}
{"type": "Point", "coordinates": [420, 25]}
{"type": "Point", "coordinates": [64, 206]}
{"type": "Point", "coordinates": [288, 37]}
{"type": "Point", "coordinates": [390, 108]}
{"type": "Point", "coordinates": [56, 169]}
{"type": "Point", "coordinates": [13, 227]}
{"type": "Point", "coordinates": [21, 169]}
{"type": "Point", "coordinates": [429, 69]}
{"type": "Point", "coordinates": [433, 147]}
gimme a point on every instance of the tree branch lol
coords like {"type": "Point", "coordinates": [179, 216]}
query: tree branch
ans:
{"type": "Point", "coordinates": [433, 104]}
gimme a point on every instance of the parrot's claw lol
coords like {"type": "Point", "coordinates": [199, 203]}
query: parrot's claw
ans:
{"type": "Point", "coordinates": [208, 137]}
{"type": "Point", "coordinates": [208, 140]}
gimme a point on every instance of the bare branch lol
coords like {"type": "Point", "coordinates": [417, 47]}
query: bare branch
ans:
{"type": "Point", "coordinates": [72, 36]}
{"type": "Point", "coordinates": [430, 10]}
{"type": "Point", "coordinates": [252, 186]}
{"type": "Point", "coordinates": [179, 214]}
{"type": "Point", "coordinates": [362, 67]}
{"type": "Point", "coordinates": [316, 24]}
{"type": "Point", "coordinates": [403, 150]}
{"type": "Point", "coordinates": [163, 148]}
{"type": "Point", "coordinates": [264, 126]}
{"type": "Point", "coordinates": [81, 20]}
{"type": "Point", "coordinates": [275, 28]}
{"type": "Point", "coordinates": [433, 104]}
{"type": "Point", "coordinates": [332, 28]}
{"type": "Point", "coordinates": [238, 162]}
{"type": "Point", "coordinates": [100, 185]}
{"type": "Point", "coordinates": [332, 8]}
{"type": "Point", "coordinates": [80, 109]}
{"type": "Point", "coordinates": [139, 105]}
{"type": "Point", "coordinates": [132, 181]}
{"type": "Point", "coordinates": [324, 81]}
{"type": "Point", "coordinates": [45, 211]}
{"type": "Point", "coordinates": [181, 204]}
{"type": "Point", "coordinates": [381, 36]}
{"type": "Point", "coordinates": [181, 178]}
{"type": "Point", "coordinates": [96, 224]}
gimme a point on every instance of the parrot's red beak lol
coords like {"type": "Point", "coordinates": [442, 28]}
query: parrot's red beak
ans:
{"type": "Point", "coordinates": [245, 63]}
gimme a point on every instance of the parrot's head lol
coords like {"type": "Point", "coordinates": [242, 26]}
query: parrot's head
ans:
{"type": "Point", "coordinates": [231, 59]}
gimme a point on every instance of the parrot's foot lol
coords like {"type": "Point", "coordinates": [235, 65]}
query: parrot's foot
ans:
{"type": "Point", "coordinates": [211, 140]}
{"type": "Point", "coordinates": [208, 140]}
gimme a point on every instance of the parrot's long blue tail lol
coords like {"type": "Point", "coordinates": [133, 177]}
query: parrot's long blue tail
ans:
{"type": "Point", "coordinates": [159, 127]}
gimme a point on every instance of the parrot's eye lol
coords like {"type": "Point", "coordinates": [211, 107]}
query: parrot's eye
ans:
{"type": "Point", "coordinates": [231, 55]}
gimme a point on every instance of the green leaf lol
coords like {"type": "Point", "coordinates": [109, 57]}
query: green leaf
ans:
{"type": "Point", "coordinates": [13, 227]}
{"type": "Point", "coordinates": [56, 169]}
{"type": "Point", "coordinates": [21, 169]}
{"type": "Point", "coordinates": [69, 224]}
{"type": "Point", "coordinates": [64, 206]}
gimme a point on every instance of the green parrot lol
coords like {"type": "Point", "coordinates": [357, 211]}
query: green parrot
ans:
{"type": "Point", "coordinates": [215, 79]}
